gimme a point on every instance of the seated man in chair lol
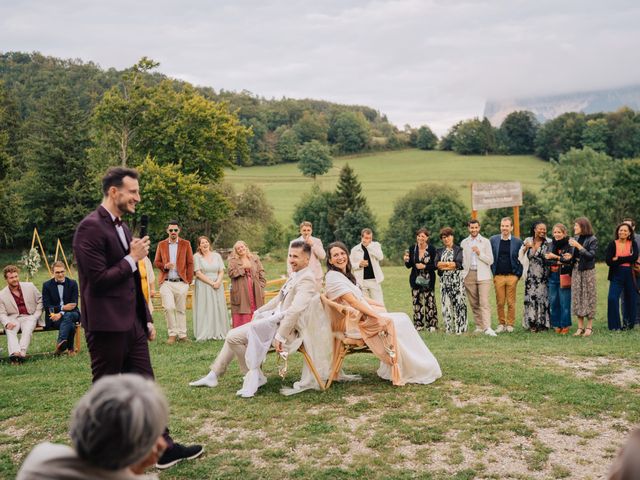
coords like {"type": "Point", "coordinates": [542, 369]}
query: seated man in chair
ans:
{"type": "Point", "coordinates": [60, 301]}
{"type": "Point", "coordinates": [287, 309]}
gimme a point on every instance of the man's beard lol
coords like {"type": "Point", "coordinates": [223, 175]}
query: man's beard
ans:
{"type": "Point", "coordinates": [124, 207]}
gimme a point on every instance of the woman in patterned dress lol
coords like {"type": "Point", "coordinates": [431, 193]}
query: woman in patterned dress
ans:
{"type": "Point", "coordinates": [449, 264]}
{"type": "Point", "coordinates": [420, 258]}
{"type": "Point", "coordinates": [536, 289]}
{"type": "Point", "coordinates": [584, 297]}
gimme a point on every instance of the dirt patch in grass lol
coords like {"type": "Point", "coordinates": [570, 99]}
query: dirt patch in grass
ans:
{"type": "Point", "coordinates": [616, 371]}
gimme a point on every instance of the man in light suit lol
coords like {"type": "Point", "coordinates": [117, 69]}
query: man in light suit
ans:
{"type": "Point", "coordinates": [365, 261]}
{"type": "Point", "coordinates": [317, 251]}
{"type": "Point", "coordinates": [20, 310]}
{"type": "Point", "coordinates": [477, 259]}
{"type": "Point", "coordinates": [294, 299]}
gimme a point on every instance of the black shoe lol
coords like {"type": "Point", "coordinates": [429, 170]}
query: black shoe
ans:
{"type": "Point", "coordinates": [15, 359]}
{"type": "Point", "coordinates": [178, 453]}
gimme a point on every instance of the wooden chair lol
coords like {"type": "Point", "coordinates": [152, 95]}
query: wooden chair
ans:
{"type": "Point", "coordinates": [344, 324]}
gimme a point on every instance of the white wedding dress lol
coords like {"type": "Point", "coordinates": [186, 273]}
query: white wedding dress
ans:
{"type": "Point", "coordinates": [416, 362]}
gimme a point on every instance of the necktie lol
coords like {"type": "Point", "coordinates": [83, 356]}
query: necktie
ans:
{"type": "Point", "coordinates": [117, 222]}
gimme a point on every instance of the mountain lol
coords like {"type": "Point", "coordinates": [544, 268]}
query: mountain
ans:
{"type": "Point", "coordinates": [548, 107]}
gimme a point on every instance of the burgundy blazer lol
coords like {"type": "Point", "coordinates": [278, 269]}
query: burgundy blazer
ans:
{"type": "Point", "coordinates": [111, 294]}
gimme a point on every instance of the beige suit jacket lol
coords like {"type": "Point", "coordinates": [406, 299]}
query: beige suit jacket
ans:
{"type": "Point", "coordinates": [485, 259]}
{"type": "Point", "coordinates": [299, 291]}
{"type": "Point", "coordinates": [32, 300]}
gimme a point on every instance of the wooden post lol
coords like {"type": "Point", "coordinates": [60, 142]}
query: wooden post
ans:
{"type": "Point", "coordinates": [516, 221]}
{"type": "Point", "coordinates": [60, 249]}
{"type": "Point", "coordinates": [42, 254]}
{"type": "Point", "coordinates": [474, 214]}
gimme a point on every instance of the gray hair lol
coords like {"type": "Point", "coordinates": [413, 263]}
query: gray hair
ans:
{"type": "Point", "coordinates": [117, 423]}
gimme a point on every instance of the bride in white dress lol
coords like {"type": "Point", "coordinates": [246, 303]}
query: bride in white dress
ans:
{"type": "Point", "coordinates": [415, 362]}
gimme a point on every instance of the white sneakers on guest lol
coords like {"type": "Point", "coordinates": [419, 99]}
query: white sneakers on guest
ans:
{"type": "Point", "coordinates": [211, 380]}
{"type": "Point", "coordinates": [478, 330]}
{"type": "Point", "coordinates": [500, 328]}
{"type": "Point", "coordinates": [489, 331]}
{"type": "Point", "coordinates": [509, 329]}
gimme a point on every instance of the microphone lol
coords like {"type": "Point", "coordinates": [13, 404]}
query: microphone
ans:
{"type": "Point", "coordinates": [144, 224]}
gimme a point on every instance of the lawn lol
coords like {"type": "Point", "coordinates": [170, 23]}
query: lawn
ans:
{"type": "Point", "coordinates": [520, 406]}
{"type": "Point", "coordinates": [387, 176]}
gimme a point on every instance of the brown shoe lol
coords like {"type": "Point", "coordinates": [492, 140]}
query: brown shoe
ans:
{"type": "Point", "coordinates": [61, 347]}
{"type": "Point", "coordinates": [184, 339]}
{"type": "Point", "coordinates": [172, 339]}
{"type": "Point", "coordinates": [564, 331]}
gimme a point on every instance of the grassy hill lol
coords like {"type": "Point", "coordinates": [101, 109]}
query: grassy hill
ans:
{"type": "Point", "coordinates": [387, 176]}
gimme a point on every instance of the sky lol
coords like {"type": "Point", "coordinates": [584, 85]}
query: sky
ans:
{"type": "Point", "coordinates": [431, 62]}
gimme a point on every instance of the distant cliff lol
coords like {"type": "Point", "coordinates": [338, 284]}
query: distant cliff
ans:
{"type": "Point", "coordinates": [548, 107]}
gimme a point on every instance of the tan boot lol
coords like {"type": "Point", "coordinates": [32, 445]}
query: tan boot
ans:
{"type": "Point", "coordinates": [172, 339]}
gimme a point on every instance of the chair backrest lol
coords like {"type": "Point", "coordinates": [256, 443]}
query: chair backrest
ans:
{"type": "Point", "coordinates": [343, 317]}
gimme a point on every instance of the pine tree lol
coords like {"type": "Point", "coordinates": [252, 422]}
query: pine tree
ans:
{"type": "Point", "coordinates": [59, 187]}
{"type": "Point", "coordinates": [349, 191]}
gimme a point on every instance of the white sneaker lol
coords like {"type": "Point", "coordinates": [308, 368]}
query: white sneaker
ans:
{"type": "Point", "coordinates": [478, 330]}
{"type": "Point", "coordinates": [432, 329]}
{"type": "Point", "coordinates": [211, 380]}
{"type": "Point", "coordinates": [509, 329]}
{"type": "Point", "coordinates": [500, 328]}
{"type": "Point", "coordinates": [489, 331]}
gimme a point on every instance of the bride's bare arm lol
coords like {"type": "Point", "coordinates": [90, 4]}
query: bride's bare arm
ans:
{"type": "Point", "coordinates": [376, 304]}
{"type": "Point", "coordinates": [363, 307]}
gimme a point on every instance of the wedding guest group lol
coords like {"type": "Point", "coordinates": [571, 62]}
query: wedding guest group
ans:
{"type": "Point", "coordinates": [174, 259]}
{"type": "Point", "coordinates": [60, 303]}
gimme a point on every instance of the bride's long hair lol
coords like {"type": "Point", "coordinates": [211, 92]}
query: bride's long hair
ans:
{"type": "Point", "coordinates": [346, 273]}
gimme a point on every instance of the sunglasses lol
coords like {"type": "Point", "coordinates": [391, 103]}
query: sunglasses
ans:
{"type": "Point", "coordinates": [173, 230]}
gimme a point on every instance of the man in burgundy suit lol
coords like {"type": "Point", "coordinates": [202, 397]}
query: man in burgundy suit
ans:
{"type": "Point", "coordinates": [115, 315]}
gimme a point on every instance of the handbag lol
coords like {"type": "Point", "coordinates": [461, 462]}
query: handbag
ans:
{"type": "Point", "coordinates": [422, 281]}
{"type": "Point", "coordinates": [565, 280]}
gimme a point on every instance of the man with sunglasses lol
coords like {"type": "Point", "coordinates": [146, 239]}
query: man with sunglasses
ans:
{"type": "Point", "coordinates": [174, 259]}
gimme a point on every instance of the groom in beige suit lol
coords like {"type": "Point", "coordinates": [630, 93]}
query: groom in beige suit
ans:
{"type": "Point", "coordinates": [294, 299]}
{"type": "Point", "coordinates": [20, 310]}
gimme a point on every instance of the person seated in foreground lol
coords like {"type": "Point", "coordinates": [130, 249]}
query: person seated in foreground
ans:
{"type": "Point", "coordinates": [20, 310]}
{"type": "Point", "coordinates": [391, 336]}
{"type": "Point", "coordinates": [627, 464]}
{"type": "Point", "coordinates": [277, 321]}
{"type": "Point", "coordinates": [116, 432]}
{"type": "Point", "coordinates": [60, 302]}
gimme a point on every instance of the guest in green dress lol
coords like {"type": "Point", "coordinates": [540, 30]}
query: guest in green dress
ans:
{"type": "Point", "coordinates": [210, 315]}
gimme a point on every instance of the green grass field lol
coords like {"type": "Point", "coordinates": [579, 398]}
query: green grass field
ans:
{"type": "Point", "coordinates": [387, 176]}
{"type": "Point", "coordinates": [520, 406]}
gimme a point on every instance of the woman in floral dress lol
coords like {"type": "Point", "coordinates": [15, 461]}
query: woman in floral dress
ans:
{"type": "Point", "coordinates": [449, 264]}
{"type": "Point", "coordinates": [420, 258]}
{"type": "Point", "coordinates": [536, 288]}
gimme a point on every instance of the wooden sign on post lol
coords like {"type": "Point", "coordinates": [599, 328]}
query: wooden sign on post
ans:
{"type": "Point", "coordinates": [485, 196]}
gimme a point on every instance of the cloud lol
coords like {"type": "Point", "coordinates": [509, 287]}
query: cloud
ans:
{"type": "Point", "coordinates": [431, 62]}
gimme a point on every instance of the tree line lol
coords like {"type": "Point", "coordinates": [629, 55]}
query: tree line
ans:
{"type": "Point", "coordinates": [616, 134]}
